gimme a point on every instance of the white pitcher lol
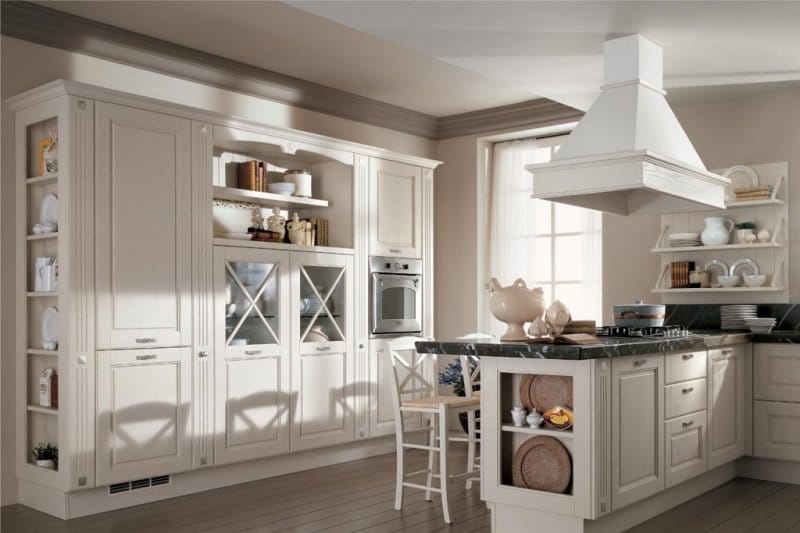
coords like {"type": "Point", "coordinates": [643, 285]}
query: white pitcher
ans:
{"type": "Point", "coordinates": [717, 231]}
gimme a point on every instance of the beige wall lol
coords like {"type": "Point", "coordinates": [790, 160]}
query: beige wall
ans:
{"type": "Point", "coordinates": [26, 65]}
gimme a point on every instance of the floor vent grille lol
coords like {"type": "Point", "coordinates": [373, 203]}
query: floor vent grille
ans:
{"type": "Point", "coordinates": [127, 486]}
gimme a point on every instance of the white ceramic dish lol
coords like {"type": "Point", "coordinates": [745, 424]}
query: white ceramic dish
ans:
{"type": "Point", "coordinates": [756, 280]}
{"type": "Point", "coordinates": [716, 268]}
{"type": "Point", "coordinates": [50, 328]}
{"type": "Point", "coordinates": [743, 267]}
{"type": "Point", "coordinates": [740, 176]}
{"type": "Point", "coordinates": [760, 329]}
{"type": "Point", "coordinates": [48, 210]}
{"type": "Point", "coordinates": [728, 281]}
{"type": "Point", "coordinates": [684, 236]}
{"type": "Point", "coordinates": [284, 188]}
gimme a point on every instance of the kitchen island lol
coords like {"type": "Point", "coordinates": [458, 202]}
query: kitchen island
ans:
{"type": "Point", "coordinates": [657, 422]}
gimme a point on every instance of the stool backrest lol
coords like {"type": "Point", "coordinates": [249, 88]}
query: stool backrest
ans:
{"type": "Point", "coordinates": [411, 369]}
{"type": "Point", "coordinates": [471, 372]}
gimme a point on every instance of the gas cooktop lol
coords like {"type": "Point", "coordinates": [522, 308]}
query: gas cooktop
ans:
{"type": "Point", "coordinates": [647, 333]}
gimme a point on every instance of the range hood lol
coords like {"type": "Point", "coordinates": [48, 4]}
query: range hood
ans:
{"type": "Point", "coordinates": [628, 154]}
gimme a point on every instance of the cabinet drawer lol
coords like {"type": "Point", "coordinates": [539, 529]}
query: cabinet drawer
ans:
{"type": "Point", "coordinates": [776, 430]}
{"type": "Point", "coordinates": [684, 398]}
{"type": "Point", "coordinates": [685, 449]}
{"type": "Point", "coordinates": [776, 370]}
{"type": "Point", "coordinates": [685, 366]}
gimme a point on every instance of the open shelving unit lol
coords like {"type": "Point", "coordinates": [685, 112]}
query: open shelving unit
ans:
{"type": "Point", "coordinates": [772, 257]}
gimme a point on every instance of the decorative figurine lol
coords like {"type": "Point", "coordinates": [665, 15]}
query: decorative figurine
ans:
{"type": "Point", "coordinates": [276, 222]}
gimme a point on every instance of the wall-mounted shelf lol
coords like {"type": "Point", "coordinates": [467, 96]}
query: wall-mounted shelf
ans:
{"type": "Point", "coordinates": [41, 180]}
{"type": "Point", "coordinates": [567, 433]}
{"type": "Point", "coordinates": [282, 246]}
{"type": "Point", "coordinates": [43, 410]}
{"type": "Point", "coordinates": [718, 290]}
{"type": "Point", "coordinates": [266, 199]}
{"type": "Point", "coordinates": [754, 203]}
{"type": "Point", "coordinates": [51, 353]}
{"type": "Point", "coordinates": [43, 236]}
{"type": "Point", "coordinates": [43, 294]}
{"type": "Point", "coordinates": [680, 249]}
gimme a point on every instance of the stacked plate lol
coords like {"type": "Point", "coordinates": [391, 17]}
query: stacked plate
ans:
{"type": "Point", "coordinates": [735, 316]}
{"type": "Point", "coordinates": [760, 325]}
{"type": "Point", "coordinates": [283, 188]}
{"type": "Point", "coordinates": [684, 239]}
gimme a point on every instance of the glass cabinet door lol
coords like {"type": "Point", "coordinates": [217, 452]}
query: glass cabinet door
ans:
{"type": "Point", "coordinates": [252, 303]}
{"type": "Point", "coordinates": [323, 303]}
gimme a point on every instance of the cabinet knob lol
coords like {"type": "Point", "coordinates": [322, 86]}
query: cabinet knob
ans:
{"type": "Point", "coordinates": [727, 352]}
{"type": "Point", "coordinates": [687, 424]}
{"type": "Point", "coordinates": [361, 346]}
{"type": "Point", "coordinates": [687, 356]}
{"type": "Point", "coordinates": [145, 340]}
{"type": "Point", "coordinates": [687, 390]}
{"type": "Point", "coordinates": [202, 354]}
{"type": "Point", "coordinates": [639, 362]}
{"type": "Point", "coordinates": [146, 357]}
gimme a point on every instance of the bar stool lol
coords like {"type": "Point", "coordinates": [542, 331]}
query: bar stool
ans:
{"type": "Point", "coordinates": [414, 391]}
{"type": "Point", "coordinates": [471, 372]}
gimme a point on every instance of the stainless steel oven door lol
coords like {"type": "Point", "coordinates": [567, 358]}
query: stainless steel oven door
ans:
{"type": "Point", "coordinates": [396, 304]}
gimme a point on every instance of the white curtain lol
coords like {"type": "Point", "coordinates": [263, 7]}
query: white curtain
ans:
{"type": "Point", "coordinates": [513, 220]}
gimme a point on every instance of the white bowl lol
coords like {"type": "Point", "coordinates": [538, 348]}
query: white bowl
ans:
{"type": "Point", "coordinates": [284, 188]}
{"type": "Point", "coordinates": [728, 281]}
{"type": "Point", "coordinates": [756, 280]}
{"type": "Point", "coordinates": [760, 329]}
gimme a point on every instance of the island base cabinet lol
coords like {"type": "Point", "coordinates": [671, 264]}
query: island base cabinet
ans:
{"type": "Point", "coordinates": [637, 418]}
{"type": "Point", "coordinates": [776, 430]}
{"type": "Point", "coordinates": [685, 447]}
{"type": "Point", "coordinates": [143, 414]}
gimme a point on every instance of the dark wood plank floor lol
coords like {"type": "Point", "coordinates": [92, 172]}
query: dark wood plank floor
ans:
{"type": "Point", "coordinates": [349, 497]}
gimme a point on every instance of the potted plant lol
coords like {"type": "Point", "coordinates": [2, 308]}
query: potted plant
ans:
{"type": "Point", "coordinates": [451, 375]}
{"type": "Point", "coordinates": [46, 455]}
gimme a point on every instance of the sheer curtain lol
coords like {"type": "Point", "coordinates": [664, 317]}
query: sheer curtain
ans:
{"type": "Point", "coordinates": [518, 225]}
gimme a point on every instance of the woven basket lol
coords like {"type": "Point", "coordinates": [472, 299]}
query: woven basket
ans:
{"type": "Point", "coordinates": [542, 392]}
{"type": "Point", "coordinates": [542, 463]}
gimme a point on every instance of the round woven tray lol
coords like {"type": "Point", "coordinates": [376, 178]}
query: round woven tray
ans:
{"type": "Point", "coordinates": [542, 463]}
{"type": "Point", "coordinates": [545, 392]}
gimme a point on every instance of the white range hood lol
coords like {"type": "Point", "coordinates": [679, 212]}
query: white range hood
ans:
{"type": "Point", "coordinates": [628, 154]}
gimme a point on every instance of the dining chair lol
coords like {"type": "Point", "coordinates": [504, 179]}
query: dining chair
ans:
{"type": "Point", "coordinates": [415, 390]}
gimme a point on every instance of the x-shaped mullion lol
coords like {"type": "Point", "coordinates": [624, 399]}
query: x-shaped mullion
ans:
{"type": "Point", "coordinates": [324, 304]}
{"type": "Point", "coordinates": [253, 300]}
{"type": "Point", "coordinates": [413, 372]}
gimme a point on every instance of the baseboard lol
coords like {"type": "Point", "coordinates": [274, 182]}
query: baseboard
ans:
{"type": "Point", "coordinates": [98, 500]}
{"type": "Point", "coordinates": [775, 470]}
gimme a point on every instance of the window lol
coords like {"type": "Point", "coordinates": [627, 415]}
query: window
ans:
{"type": "Point", "coordinates": [551, 245]}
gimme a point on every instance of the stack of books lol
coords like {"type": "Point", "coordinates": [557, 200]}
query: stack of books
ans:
{"type": "Point", "coordinates": [679, 271]}
{"type": "Point", "coordinates": [748, 194]}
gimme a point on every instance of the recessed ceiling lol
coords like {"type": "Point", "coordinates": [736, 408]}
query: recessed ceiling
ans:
{"type": "Point", "coordinates": [446, 57]}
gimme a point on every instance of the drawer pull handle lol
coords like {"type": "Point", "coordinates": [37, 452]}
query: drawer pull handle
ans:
{"type": "Point", "coordinates": [145, 357]}
{"type": "Point", "coordinates": [323, 348]}
{"type": "Point", "coordinates": [252, 352]}
{"type": "Point", "coordinates": [395, 251]}
{"type": "Point", "coordinates": [727, 352]}
{"type": "Point", "coordinates": [687, 356]}
{"type": "Point", "coordinates": [687, 424]}
{"type": "Point", "coordinates": [639, 362]}
{"type": "Point", "coordinates": [145, 340]}
{"type": "Point", "coordinates": [687, 390]}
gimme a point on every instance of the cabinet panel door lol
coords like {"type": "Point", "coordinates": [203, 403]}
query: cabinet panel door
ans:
{"type": "Point", "coordinates": [727, 405]}
{"type": "Point", "coordinates": [685, 448]}
{"type": "Point", "coordinates": [253, 347]}
{"type": "Point", "coordinates": [637, 428]}
{"type": "Point", "coordinates": [143, 413]}
{"type": "Point", "coordinates": [777, 372]}
{"type": "Point", "coordinates": [776, 430]}
{"type": "Point", "coordinates": [382, 385]}
{"type": "Point", "coordinates": [395, 208]}
{"type": "Point", "coordinates": [143, 209]}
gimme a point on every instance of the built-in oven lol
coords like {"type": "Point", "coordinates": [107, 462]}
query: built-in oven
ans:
{"type": "Point", "coordinates": [395, 296]}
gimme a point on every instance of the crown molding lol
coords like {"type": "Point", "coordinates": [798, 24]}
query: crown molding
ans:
{"type": "Point", "coordinates": [56, 29]}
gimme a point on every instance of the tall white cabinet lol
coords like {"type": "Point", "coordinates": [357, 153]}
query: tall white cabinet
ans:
{"type": "Point", "coordinates": [182, 348]}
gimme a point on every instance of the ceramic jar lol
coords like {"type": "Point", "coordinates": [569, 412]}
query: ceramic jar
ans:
{"type": "Point", "coordinates": [717, 231]}
{"type": "Point", "coordinates": [297, 230]}
{"type": "Point", "coordinates": [743, 234]}
{"type": "Point", "coordinates": [519, 414]}
{"type": "Point", "coordinates": [302, 181]}
{"type": "Point", "coordinates": [515, 305]}
{"type": "Point", "coordinates": [534, 419]}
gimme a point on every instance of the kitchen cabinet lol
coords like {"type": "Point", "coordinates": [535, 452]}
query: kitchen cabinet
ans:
{"type": "Point", "coordinates": [143, 228]}
{"type": "Point", "coordinates": [382, 391]}
{"type": "Point", "coordinates": [637, 439]}
{"type": "Point", "coordinates": [143, 413]}
{"type": "Point", "coordinates": [253, 348]}
{"type": "Point", "coordinates": [395, 212]}
{"type": "Point", "coordinates": [776, 430]}
{"type": "Point", "coordinates": [685, 447]}
{"type": "Point", "coordinates": [776, 371]}
{"type": "Point", "coordinates": [728, 403]}
{"type": "Point", "coordinates": [323, 361]}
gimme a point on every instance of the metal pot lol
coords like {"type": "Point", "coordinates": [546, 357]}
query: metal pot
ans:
{"type": "Point", "coordinates": [639, 315]}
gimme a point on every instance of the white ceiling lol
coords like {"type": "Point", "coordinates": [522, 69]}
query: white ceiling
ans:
{"type": "Point", "coordinates": [445, 57]}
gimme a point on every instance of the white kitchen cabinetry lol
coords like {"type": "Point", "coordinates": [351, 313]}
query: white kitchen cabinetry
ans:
{"type": "Point", "coordinates": [776, 430]}
{"type": "Point", "coordinates": [324, 350]}
{"type": "Point", "coordinates": [728, 402]}
{"type": "Point", "coordinates": [143, 227]}
{"type": "Point", "coordinates": [143, 413]}
{"type": "Point", "coordinates": [395, 212]}
{"type": "Point", "coordinates": [637, 439]}
{"type": "Point", "coordinates": [776, 369]}
{"type": "Point", "coordinates": [685, 448]}
{"type": "Point", "coordinates": [382, 390]}
{"type": "Point", "coordinates": [253, 348]}
{"type": "Point", "coordinates": [776, 409]}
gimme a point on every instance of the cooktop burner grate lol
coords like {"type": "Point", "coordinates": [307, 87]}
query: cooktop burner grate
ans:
{"type": "Point", "coordinates": [662, 331]}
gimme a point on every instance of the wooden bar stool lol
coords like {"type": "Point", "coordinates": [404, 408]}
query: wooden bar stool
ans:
{"type": "Point", "coordinates": [471, 372]}
{"type": "Point", "coordinates": [415, 390]}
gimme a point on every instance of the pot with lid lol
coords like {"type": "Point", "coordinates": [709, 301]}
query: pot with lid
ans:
{"type": "Point", "coordinates": [639, 315]}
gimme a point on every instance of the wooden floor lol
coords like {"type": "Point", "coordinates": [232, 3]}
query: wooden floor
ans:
{"type": "Point", "coordinates": [349, 497]}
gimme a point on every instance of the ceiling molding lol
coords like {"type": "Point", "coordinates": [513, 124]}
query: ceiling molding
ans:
{"type": "Point", "coordinates": [49, 27]}
{"type": "Point", "coordinates": [532, 113]}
